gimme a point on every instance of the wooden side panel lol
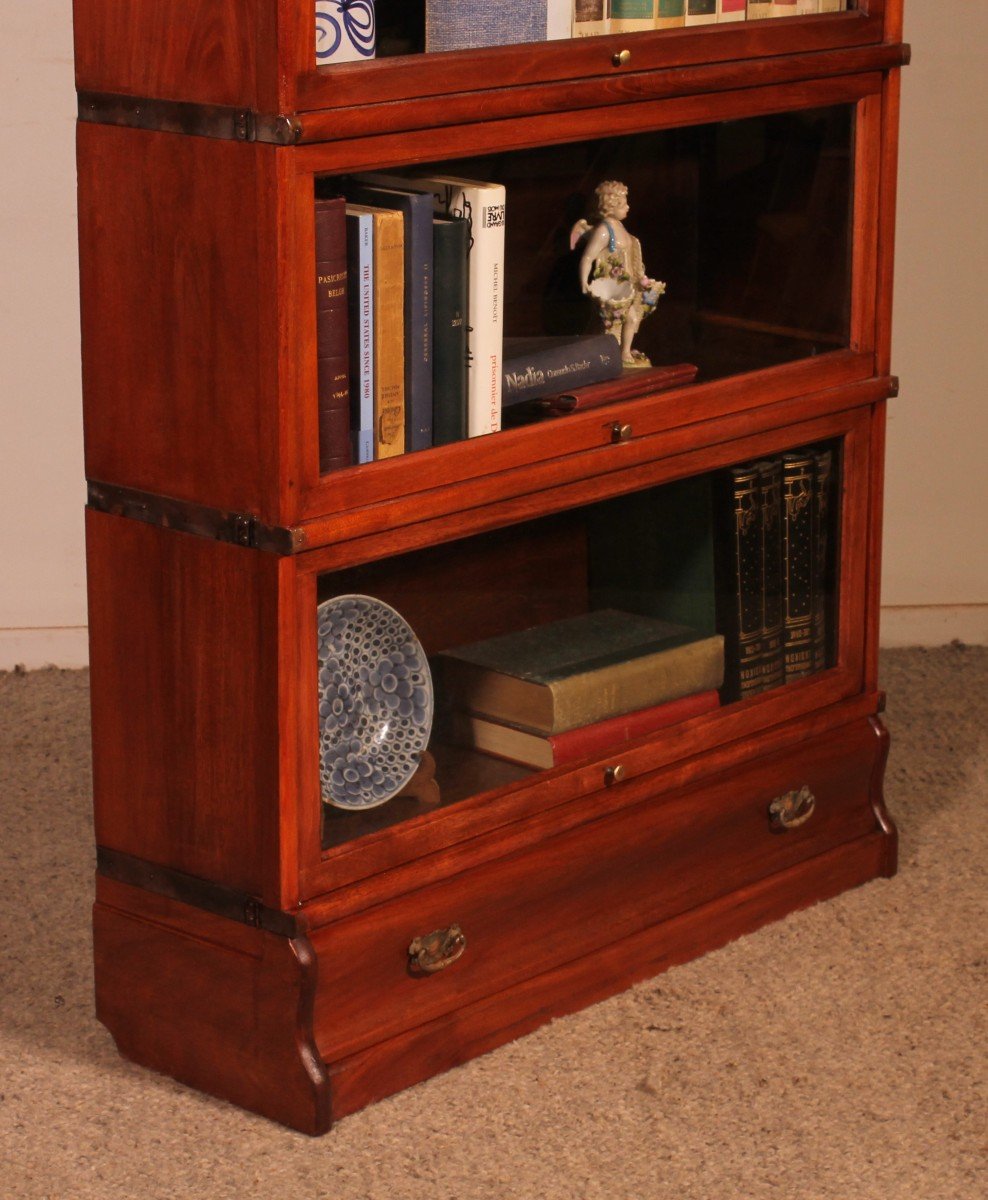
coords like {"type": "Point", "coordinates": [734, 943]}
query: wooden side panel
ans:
{"type": "Point", "coordinates": [180, 316]}
{"type": "Point", "coordinates": [214, 1004]}
{"type": "Point", "coordinates": [208, 51]}
{"type": "Point", "coordinates": [184, 649]}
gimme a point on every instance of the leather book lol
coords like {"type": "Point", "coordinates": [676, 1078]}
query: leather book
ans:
{"type": "Point", "coordinates": [449, 330]}
{"type": "Point", "coordinates": [557, 749]}
{"type": "Point", "coordinates": [579, 670]}
{"type": "Point", "coordinates": [770, 500]}
{"type": "Point", "coordinates": [416, 210]}
{"type": "Point", "coordinates": [332, 351]}
{"type": "Point", "coordinates": [798, 512]}
{"type": "Point", "coordinates": [740, 599]}
{"type": "Point", "coordinates": [823, 497]}
{"type": "Point", "coordinates": [534, 367]}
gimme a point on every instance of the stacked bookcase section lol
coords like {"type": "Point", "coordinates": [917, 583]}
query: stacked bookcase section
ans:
{"type": "Point", "coordinates": [455, 663]}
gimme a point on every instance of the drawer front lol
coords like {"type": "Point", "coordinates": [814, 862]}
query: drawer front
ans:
{"type": "Point", "coordinates": [576, 893]}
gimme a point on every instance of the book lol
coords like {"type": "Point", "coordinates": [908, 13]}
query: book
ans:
{"type": "Point", "coordinates": [580, 670]}
{"type": "Point", "coordinates": [389, 329]}
{"type": "Point", "coordinates": [632, 16]}
{"type": "Point", "coordinates": [346, 31]}
{"type": "Point", "coordinates": [543, 366]}
{"type": "Point", "coordinates": [759, 9]}
{"type": "Point", "coordinates": [783, 8]}
{"type": "Point", "coordinates": [740, 603]}
{"type": "Point", "coordinates": [798, 512]}
{"type": "Point", "coordinates": [807, 8]}
{"type": "Point", "coordinates": [731, 10]}
{"type": "Point", "coordinates": [464, 24]}
{"type": "Point", "coordinates": [701, 12]}
{"type": "Point", "coordinates": [670, 14]}
{"type": "Point", "coordinates": [449, 330]}
{"type": "Point", "coordinates": [558, 20]}
{"type": "Point", "coordinates": [832, 6]}
{"type": "Point", "coordinates": [416, 210]}
{"type": "Point", "coordinates": [481, 205]}
{"type": "Point", "coordinates": [556, 749]}
{"type": "Point", "coordinates": [772, 664]}
{"type": "Point", "coordinates": [360, 314]}
{"type": "Point", "coordinates": [590, 18]}
{"type": "Point", "coordinates": [823, 500]}
{"type": "Point", "coordinates": [332, 351]}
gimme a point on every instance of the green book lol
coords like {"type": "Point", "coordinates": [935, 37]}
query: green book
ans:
{"type": "Point", "coordinates": [573, 672]}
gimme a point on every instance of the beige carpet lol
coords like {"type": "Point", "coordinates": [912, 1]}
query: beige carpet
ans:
{"type": "Point", "coordinates": [840, 1053]}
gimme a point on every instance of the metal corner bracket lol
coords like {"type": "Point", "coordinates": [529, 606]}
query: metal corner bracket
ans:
{"type": "Point", "coordinates": [197, 120]}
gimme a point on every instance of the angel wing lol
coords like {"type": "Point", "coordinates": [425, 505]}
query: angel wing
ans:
{"type": "Point", "coordinates": [578, 233]}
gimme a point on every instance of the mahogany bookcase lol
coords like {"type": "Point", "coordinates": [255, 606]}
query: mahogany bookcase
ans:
{"type": "Point", "coordinates": [248, 941]}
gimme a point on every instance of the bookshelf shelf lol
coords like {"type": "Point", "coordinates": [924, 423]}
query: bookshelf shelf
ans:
{"type": "Point", "coordinates": [760, 162]}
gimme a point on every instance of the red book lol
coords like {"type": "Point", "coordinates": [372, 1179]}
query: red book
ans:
{"type": "Point", "coordinates": [554, 750]}
{"type": "Point", "coordinates": [332, 335]}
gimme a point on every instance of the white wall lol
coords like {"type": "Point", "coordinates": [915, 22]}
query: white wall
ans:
{"type": "Point", "coordinates": [936, 539]}
{"type": "Point", "coordinates": [42, 492]}
{"type": "Point", "coordinates": [936, 565]}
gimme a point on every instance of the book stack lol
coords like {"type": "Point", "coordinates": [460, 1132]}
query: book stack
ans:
{"type": "Point", "coordinates": [417, 269]}
{"type": "Point", "coordinates": [773, 545]}
{"type": "Point", "coordinates": [581, 686]}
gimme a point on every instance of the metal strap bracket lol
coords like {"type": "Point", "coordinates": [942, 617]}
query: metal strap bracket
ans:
{"type": "Point", "coordinates": [198, 120]}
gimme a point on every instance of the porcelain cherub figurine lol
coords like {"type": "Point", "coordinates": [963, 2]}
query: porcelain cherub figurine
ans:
{"type": "Point", "coordinates": [612, 272]}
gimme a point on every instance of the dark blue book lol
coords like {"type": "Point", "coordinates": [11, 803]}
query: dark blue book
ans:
{"type": "Point", "coordinates": [416, 208]}
{"type": "Point", "coordinates": [449, 330]}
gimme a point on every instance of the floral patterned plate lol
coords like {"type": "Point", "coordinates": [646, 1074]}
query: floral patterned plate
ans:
{"type": "Point", "coordinates": [375, 701]}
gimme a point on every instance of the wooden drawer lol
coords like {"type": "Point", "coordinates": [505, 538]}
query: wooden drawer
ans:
{"type": "Point", "coordinates": [589, 887]}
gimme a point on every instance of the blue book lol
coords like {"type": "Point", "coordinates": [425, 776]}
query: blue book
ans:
{"type": "Point", "coordinates": [416, 208]}
{"type": "Point", "coordinates": [464, 24]}
{"type": "Point", "coordinates": [360, 277]}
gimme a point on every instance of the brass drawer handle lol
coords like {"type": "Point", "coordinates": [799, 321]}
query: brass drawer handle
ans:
{"type": "Point", "coordinates": [622, 58]}
{"type": "Point", "coordinates": [620, 432]}
{"type": "Point", "coordinates": [791, 810]}
{"type": "Point", "coordinates": [436, 951]}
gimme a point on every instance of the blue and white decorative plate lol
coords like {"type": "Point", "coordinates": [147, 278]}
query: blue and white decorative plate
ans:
{"type": "Point", "coordinates": [375, 701]}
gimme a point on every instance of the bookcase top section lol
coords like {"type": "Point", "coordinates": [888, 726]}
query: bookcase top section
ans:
{"type": "Point", "coordinates": [260, 57]}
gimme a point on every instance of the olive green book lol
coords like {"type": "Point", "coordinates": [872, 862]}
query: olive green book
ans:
{"type": "Point", "coordinates": [573, 672]}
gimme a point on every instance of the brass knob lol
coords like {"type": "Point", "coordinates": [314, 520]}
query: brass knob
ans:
{"type": "Point", "coordinates": [614, 774]}
{"type": "Point", "coordinates": [621, 59]}
{"type": "Point", "coordinates": [791, 810]}
{"type": "Point", "coordinates": [435, 951]}
{"type": "Point", "coordinates": [620, 432]}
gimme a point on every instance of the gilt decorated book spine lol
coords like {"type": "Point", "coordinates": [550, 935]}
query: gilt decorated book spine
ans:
{"type": "Point", "coordinates": [798, 513]}
{"type": "Point", "coordinates": [331, 334]}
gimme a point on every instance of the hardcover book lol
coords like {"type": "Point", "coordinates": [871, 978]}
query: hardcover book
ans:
{"type": "Point", "coordinates": [832, 6]}
{"type": "Point", "coordinates": [557, 749]}
{"type": "Point", "coordinates": [731, 10]}
{"type": "Point", "coordinates": [464, 24]}
{"type": "Point", "coordinates": [798, 513]}
{"type": "Point", "coordinates": [389, 326]}
{"type": "Point", "coordinates": [579, 670]}
{"type": "Point", "coordinates": [558, 20]}
{"type": "Point", "coordinates": [590, 18]}
{"type": "Point", "coordinates": [807, 8]}
{"type": "Point", "coordinates": [783, 8]}
{"type": "Point", "coordinates": [332, 352]}
{"type": "Point", "coordinates": [416, 210]}
{"type": "Point", "coordinates": [758, 9]}
{"type": "Point", "coordinates": [449, 330]}
{"type": "Point", "coordinates": [740, 598]}
{"type": "Point", "coordinates": [701, 12]}
{"type": "Point", "coordinates": [548, 366]}
{"type": "Point", "coordinates": [632, 16]}
{"type": "Point", "coordinates": [360, 312]}
{"type": "Point", "coordinates": [670, 14]}
{"type": "Point", "coordinates": [346, 31]}
{"type": "Point", "coordinates": [770, 499]}
{"type": "Point", "coordinates": [823, 498]}
{"type": "Point", "coordinates": [481, 205]}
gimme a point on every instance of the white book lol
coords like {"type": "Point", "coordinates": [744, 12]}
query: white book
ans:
{"type": "Point", "coordinates": [345, 31]}
{"type": "Point", "coordinates": [632, 16]}
{"type": "Point", "coordinates": [360, 269]}
{"type": "Point", "coordinates": [807, 8]}
{"type": "Point", "coordinates": [832, 6]}
{"type": "Point", "coordinates": [783, 8]}
{"type": "Point", "coordinates": [731, 10]}
{"type": "Point", "coordinates": [482, 204]}
{"type": "Point", "coordinates": [757, 9]}
{"type": "Point", "coordinates": [590, 18]}
{"type": "Point", "coordinates": [558, 20]}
